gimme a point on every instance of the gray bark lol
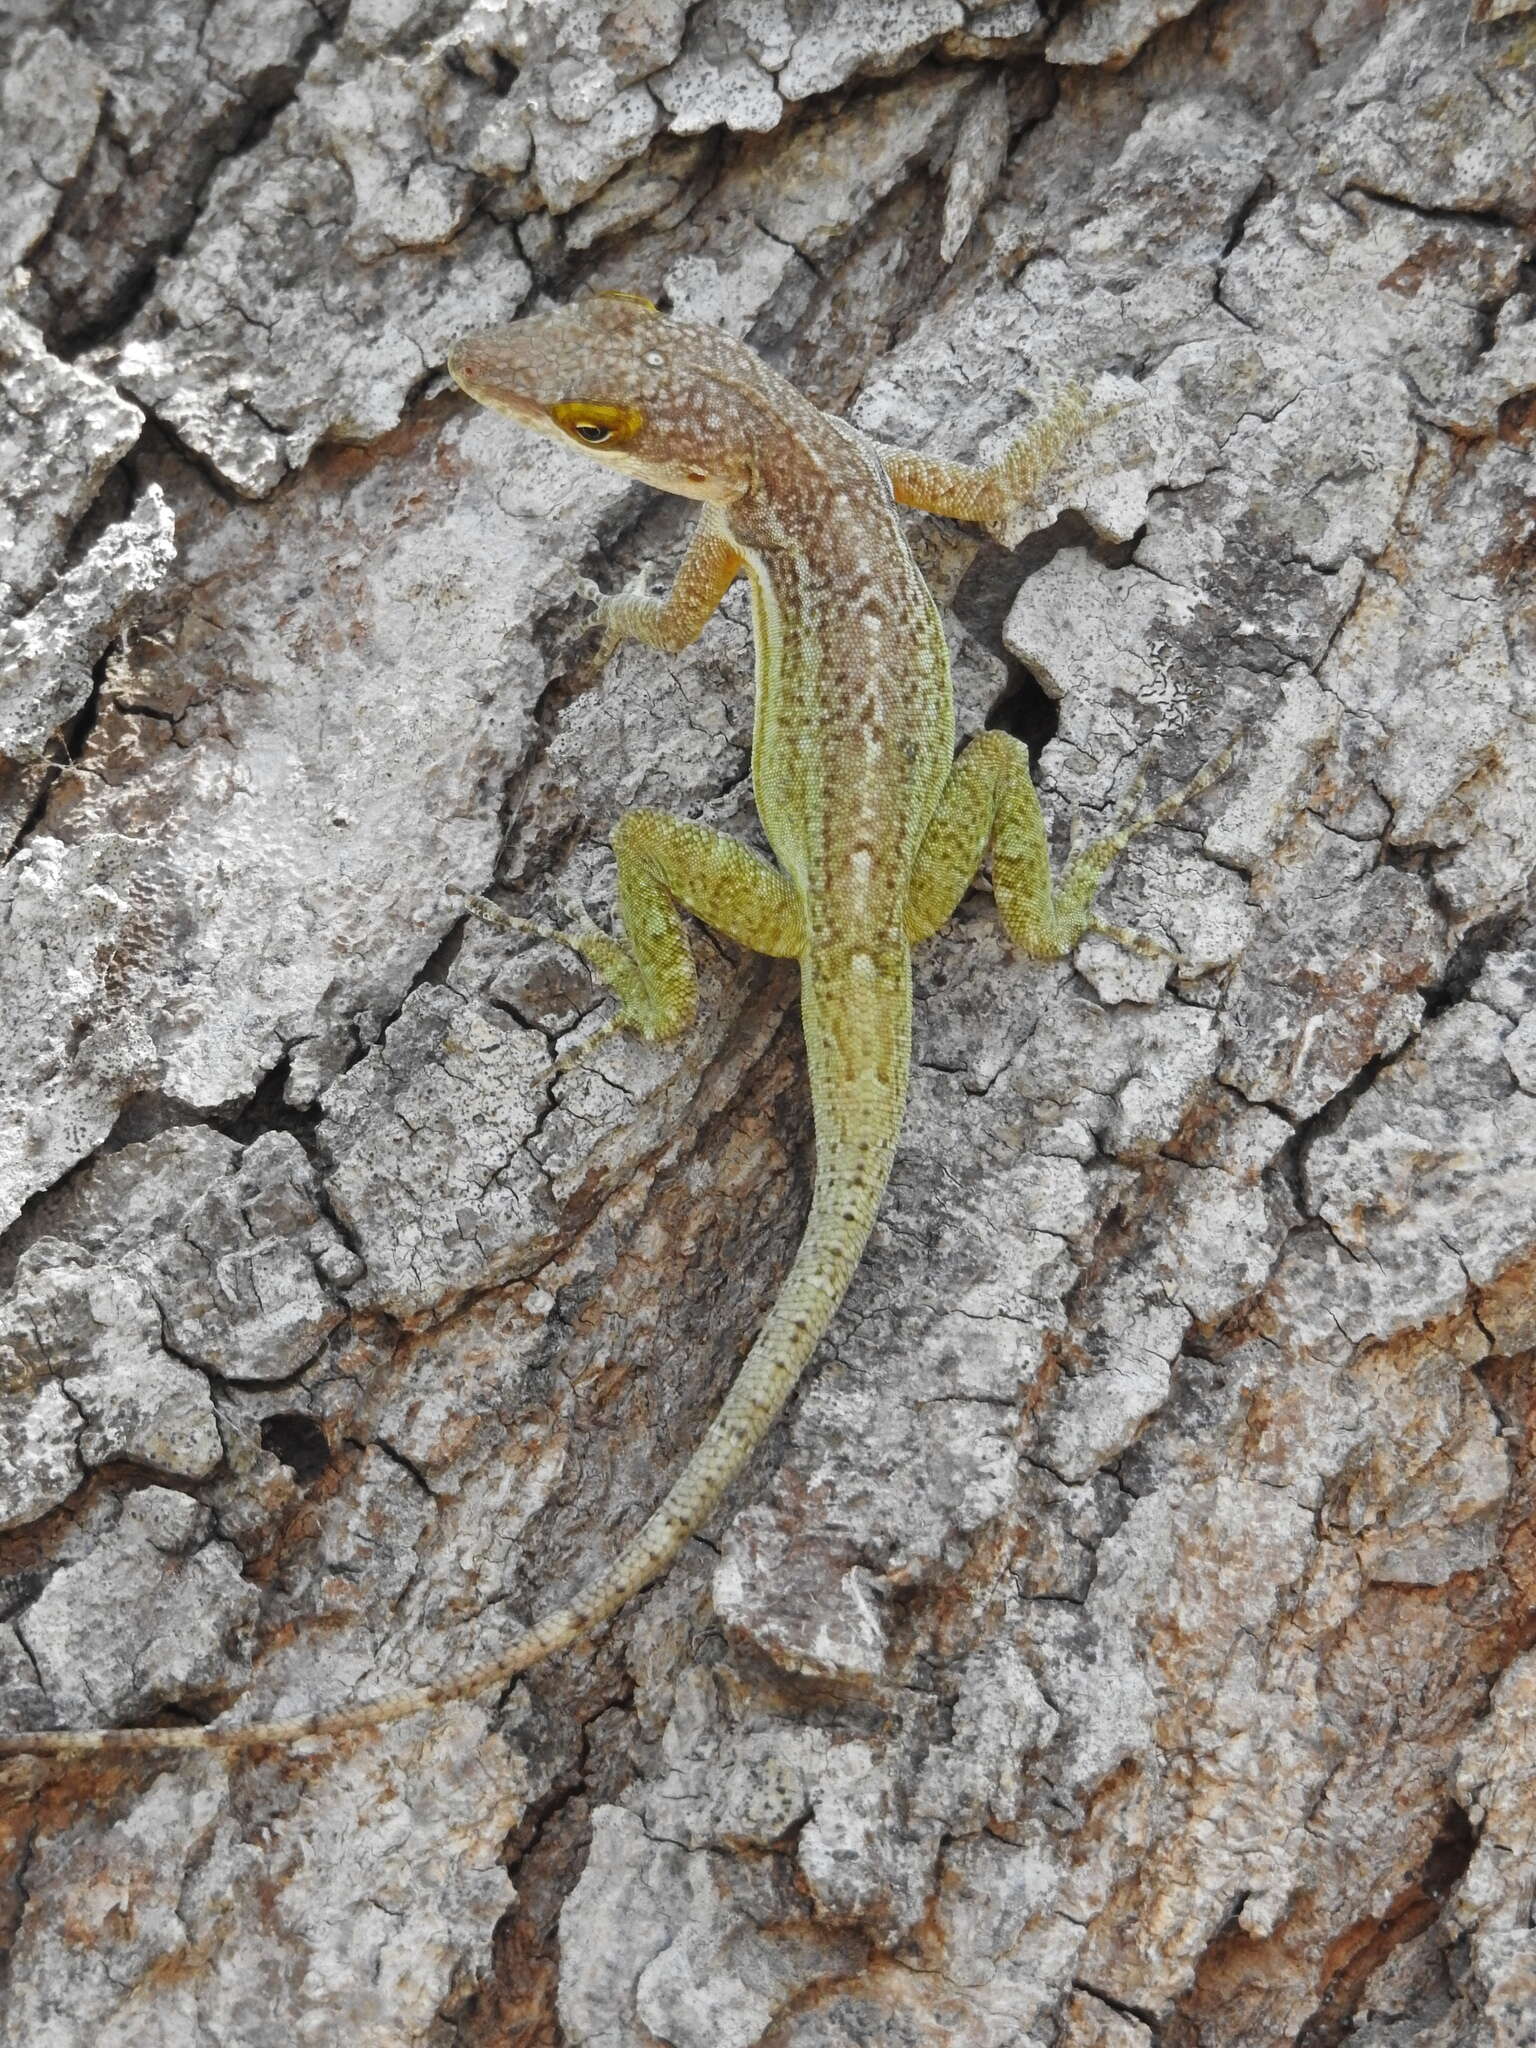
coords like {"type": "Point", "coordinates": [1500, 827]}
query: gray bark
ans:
{"type": "Point", "coordinates": [1125, 1638]}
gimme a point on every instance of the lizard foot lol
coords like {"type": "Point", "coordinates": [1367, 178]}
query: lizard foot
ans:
{"type": "Point", "coordinates": [1087, 865]}
{"type": "Point", "coordinates": [615, 615]}
{"type": "Point", "coordinates": [604, 955]}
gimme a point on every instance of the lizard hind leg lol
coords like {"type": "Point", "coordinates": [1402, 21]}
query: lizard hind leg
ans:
{"type": "Point", "coordinates": [666, 865]}
{"type": "Point", "coordinates": [990, 798]}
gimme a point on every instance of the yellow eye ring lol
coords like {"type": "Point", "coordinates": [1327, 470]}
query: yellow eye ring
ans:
{"type": "Point", "coordinates": [596, 424]}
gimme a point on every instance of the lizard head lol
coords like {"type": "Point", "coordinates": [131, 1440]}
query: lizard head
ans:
{"type": "Point", "coordinates": [659, 399]}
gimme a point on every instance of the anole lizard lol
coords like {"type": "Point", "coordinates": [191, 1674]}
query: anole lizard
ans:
{"type": "Point", "coordinates": [877, 829]}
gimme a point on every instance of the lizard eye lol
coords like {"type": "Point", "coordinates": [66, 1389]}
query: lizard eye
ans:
{"type": "Point", "coordinates": [595, 424]}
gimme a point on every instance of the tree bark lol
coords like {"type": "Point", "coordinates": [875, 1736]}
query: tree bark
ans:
{"type": "Point", "coordinates": [1126, 1638]}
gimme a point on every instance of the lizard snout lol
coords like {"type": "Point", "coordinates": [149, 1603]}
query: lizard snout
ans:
{"type": "Point", "coordinates": [487, 368]}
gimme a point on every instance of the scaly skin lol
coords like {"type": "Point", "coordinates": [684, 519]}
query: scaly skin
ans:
{"type": "Point", "coordinates": [877, 830]}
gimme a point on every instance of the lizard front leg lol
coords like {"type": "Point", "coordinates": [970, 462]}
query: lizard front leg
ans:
{"type": "Point", "coordinates": [665, 863]}
{"type": "Point", "coordinates": [675, 621]}
{"type": "Point", "coordinates": [986, 495]}
{"type": "Point", "coordinates": [990, 799]}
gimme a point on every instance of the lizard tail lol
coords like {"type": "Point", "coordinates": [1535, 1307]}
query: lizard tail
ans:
{"type": "Point", "coordinates": [858, 1093]}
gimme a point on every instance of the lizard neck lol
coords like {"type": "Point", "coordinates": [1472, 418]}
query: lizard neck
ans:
{"type": "Point", "coordinates": [818, 495]}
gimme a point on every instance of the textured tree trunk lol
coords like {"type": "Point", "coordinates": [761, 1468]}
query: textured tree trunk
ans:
{"type": "Point", "coordinates": [1126, 1639]}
